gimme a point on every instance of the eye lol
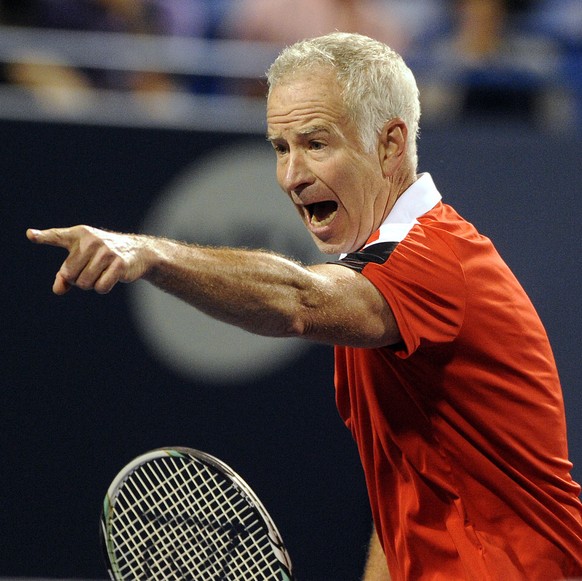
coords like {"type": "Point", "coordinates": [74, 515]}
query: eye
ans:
{"type": "Point", "coordinates": [316, 145]}
{"type": "Point", "coordinates": [280, 148]}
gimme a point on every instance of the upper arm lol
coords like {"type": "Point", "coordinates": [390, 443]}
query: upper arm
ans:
{"type": "Point", "coordinates": [349, 310]}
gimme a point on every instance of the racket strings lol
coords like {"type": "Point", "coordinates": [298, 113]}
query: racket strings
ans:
{"type": "Point", "coordinates": [146, 502]}
{"type": "Point", "coordinates": [203, 556]}
{"type": "Point", "coordinates": [177, 518]}
{"type": "Point", "coordinates": [163, 510]}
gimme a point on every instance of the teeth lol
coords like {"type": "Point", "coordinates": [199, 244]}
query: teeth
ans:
{"type": "Point", "coordinates": [327, 220]}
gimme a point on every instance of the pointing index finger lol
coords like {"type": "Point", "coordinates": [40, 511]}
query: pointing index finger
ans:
{"type": "Point", "coordinates": [53, 236]}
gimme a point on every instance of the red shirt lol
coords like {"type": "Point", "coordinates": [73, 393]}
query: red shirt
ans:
{"type": "Point", "coordinates": [461, 427]}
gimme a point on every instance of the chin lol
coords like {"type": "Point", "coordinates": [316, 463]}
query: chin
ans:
{"type": "Point", "coordinates": [332, 247]}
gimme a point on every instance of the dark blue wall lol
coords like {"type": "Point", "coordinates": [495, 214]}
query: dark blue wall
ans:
{"type": "Point", "coordinates": [82, 394]}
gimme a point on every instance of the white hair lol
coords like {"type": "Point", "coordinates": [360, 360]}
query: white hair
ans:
{"type": "Point", "coordinates": [376, 83]}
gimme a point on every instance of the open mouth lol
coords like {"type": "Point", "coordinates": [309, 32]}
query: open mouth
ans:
{"type": "Point", "coordinates": [321, 213]}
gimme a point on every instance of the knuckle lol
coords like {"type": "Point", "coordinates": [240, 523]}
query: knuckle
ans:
{"type": "Point", "coordinates": [102, 288]}
{"type": "Point", "coordinates": [84, 283]}
{"type": "Point", "coordinates": [66, 274]}
{"type": "Point", "coordinates": [119, 268]}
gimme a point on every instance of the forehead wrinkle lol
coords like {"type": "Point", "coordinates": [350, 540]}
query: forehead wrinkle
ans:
{"type": "Point", "coordinates": [299, 105]}
{"type": "Point", "coordinates": [311, 114]}
{"type": "Point", "coordinates": [321, 120]}
{"type": "Point", "coordinates": [303, 110]}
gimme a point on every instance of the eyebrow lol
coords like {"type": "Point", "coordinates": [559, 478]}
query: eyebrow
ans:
{"type": "Point", "coordinates": [306, 131]}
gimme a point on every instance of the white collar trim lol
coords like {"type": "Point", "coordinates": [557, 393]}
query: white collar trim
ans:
{"type": "Point", "coordinates": [415, 201]}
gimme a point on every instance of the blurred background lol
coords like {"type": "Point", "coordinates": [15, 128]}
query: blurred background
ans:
{"type": "Point", "coordinates": [140, 115]}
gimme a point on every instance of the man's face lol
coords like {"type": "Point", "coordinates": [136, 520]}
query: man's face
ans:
{"type": "Point", "coordinates": [337, 187]}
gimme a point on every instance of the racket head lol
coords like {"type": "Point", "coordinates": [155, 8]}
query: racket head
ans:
{"type": "Point", "coordinates": [179, 513]}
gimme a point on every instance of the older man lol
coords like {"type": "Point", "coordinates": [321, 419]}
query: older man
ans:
{"type": "Point", "coordinates": [444, 373]}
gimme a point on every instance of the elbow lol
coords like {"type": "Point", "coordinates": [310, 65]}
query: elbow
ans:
{"type": "Point", "coordinates": [283, 324]}
{"type": "Point", "coordinates": [296, 327]}
{"type": "Point", "coordinates": [298, 324]}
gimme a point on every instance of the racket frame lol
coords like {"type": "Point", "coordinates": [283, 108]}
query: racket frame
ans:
{"type": "Point", "coordinates": [189, 455]}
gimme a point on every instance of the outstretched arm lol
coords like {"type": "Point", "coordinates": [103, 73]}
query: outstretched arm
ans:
{"type": "Point", "coordinates": [258, 291]}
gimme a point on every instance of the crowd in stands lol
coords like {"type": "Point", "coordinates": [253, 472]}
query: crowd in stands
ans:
{"type": "Point", "coordinates": [520, 58]}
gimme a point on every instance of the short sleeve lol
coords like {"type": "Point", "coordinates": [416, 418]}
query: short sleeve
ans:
{"type": "Point", "coordinates": [422, 280]}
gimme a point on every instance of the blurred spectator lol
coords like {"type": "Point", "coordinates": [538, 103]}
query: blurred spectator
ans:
{"type": "Point", "coordinates": [286, 21]}
{"type": "Point", "coordinates": [511, 59]}
{"type": "Point", "coordinates": [283, 22]}
{"type": "Point", "coordinates": [483, 28]}
{"type": "Point", "coordinates": [422, 20]}
{"type": "Point", "coordinates": [488, 66]}
{"type": "Point", "coordinates": [168, 17]}
{"type": "Point", "coordinates": [62, 84]}
{"type": "Point", "coordinates": [141, 16]}
{"type": "Point", "coordinates": [560, 19]}
{"type": "Point", "coordinates": [52, 80]}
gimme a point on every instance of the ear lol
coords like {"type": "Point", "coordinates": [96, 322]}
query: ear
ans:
{"type": "Point", "coordinates": [392, 146]}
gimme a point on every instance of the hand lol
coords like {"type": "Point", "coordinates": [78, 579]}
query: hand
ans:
{"type": "Point", "coordinates": [97, 259]}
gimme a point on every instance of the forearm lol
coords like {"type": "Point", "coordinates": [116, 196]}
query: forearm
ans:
{"type": "Point", "coordinates": [376, 568]}
{"type": "Point", "coordinates": [258, 291]}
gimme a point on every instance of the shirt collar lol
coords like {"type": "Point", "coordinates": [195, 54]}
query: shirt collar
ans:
{"type": "Point", "coordinates": [415, 201]}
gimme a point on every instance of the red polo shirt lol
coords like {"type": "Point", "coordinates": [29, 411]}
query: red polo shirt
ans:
{"type": "Point", "coordinates": [461, 427]}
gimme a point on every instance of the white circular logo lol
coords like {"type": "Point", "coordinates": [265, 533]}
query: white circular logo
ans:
{"type": "Point", "coordinates": [228, 198]}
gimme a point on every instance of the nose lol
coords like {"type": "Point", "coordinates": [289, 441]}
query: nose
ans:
{"type": "Point", "coordinates": [295, 174]}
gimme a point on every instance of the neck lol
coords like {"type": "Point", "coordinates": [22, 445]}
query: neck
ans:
{"type": "Point", "coordinates": [399, 183]}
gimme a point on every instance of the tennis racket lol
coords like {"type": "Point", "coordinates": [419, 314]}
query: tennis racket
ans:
{"type": "Point", "coordinates": [178, 513]}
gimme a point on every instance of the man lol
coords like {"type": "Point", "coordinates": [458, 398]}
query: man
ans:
{"type": "Point", "coordinates": [444, 374]}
